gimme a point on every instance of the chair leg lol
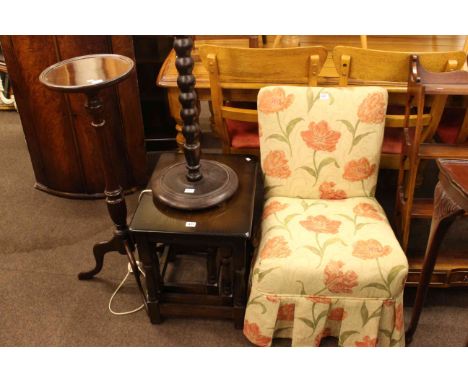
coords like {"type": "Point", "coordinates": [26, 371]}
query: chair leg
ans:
{"type": "Point", "coordinates": [408, 207]}
{"type": "Point", "coordinates": [445, 212]}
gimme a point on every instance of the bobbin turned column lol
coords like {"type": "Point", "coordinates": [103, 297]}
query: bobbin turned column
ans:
{"type": "Point", "coordinates": [195, 183]}
{"type": "Point", "coordinates": [188, 99]}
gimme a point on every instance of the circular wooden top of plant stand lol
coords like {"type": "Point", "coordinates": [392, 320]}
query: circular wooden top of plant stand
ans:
{"type": "Point", "coordinates": [86, 73]}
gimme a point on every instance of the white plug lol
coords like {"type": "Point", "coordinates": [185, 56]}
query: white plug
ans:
{"type": "Point", "coordinates": [139, 264]}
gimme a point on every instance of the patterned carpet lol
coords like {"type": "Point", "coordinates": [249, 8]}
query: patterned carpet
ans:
{"type": "Point", "coordinates": [45, 241]}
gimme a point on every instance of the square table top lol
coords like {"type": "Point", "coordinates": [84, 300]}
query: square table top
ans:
{"type": "Point", "coordinates": [233, 218]}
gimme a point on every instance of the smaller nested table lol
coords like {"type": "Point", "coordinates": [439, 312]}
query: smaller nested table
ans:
{"type": "Point", "coordinates": [222, 233]}
{"type": "Point", "coordinates": [450, 201]}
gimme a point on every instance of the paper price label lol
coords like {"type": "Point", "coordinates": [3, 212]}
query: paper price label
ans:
{"type": "Point", "coordinates": [189, 190]}
{"type": "Point", "coordinates": [324, 96]}
{"type": "Point", "coordinates": [191, 224]}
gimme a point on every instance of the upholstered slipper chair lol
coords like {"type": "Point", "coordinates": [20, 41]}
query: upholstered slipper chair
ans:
{"type": "Point", "coordinates": [328, 262]}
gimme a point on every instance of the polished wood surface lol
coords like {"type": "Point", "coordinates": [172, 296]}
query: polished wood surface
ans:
{"type": "Point", "coordinates": [221, 234]}
{"type": "Point", "coordinates": [450, 201]}
{"type": "Point", "coordinates": [152, 216]}
{"type": "Point", "coordinates": [56, 126]}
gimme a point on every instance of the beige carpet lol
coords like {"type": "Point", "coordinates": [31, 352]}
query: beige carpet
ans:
{"type": "Point", "coordinates": [45, 241]}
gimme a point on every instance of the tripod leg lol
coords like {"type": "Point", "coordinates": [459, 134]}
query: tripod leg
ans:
{"type": "Point", "coordinates": [99, 250]}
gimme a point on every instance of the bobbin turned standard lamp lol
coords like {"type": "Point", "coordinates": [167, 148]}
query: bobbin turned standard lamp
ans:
{"type": "Point", "coordinates": [194, 183]}
{"type": "Point", "coordinates": [89, 75]}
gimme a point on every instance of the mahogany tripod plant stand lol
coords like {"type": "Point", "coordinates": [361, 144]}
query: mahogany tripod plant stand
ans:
{"type": "Point", "coordinates": [89, 75]}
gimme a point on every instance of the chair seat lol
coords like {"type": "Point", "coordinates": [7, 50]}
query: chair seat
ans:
{"type": "Point", "coordinates": [243, 134]}
{"type": "Point", "coordinates": [322, 263]}
{"type": "Point", "coordinates": [450, 124]}
{"type": "Point", "coordinates": [393, 141]}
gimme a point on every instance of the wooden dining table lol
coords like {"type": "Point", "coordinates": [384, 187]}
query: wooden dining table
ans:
{"type": "Point", "coordinates": [167, 76]}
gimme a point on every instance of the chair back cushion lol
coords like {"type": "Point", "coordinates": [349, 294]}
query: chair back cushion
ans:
{"type": "Point", "coordinates": [321, 142]}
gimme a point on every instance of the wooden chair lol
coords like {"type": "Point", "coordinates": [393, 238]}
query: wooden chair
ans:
{"type": "Point", "coordinates": [422, 82]}
{"type": "Point", "coordinates": [358, 66]}
{"type": "Point", "coordinates": [287, 40]}
{"type": "Point", "coordinates": [235, 71]}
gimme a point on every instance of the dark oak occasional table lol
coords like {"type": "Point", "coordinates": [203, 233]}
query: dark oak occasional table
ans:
{"type": "Point", "coordinates": [450, 201]}
{"type": "Point", "coordinates": [223, 231]}
{"type": "Point", "coordinates": [90, 75]}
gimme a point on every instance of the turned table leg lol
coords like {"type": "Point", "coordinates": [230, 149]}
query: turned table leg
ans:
{"type": "Point", "coordinates": [445, 212]}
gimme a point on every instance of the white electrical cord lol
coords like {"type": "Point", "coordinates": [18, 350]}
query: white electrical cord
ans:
{"type": "Point", "coordinates": [126, 277]}
{"type": "Point", "coordinates": [3, 99]}
{"type": "Point", "coordinates": [120, 286]}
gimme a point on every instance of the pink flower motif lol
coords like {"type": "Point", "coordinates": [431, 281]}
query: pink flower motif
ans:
{"type": "Point", "coordinates": [338, 281]}
{"type": "Point", "coordinates": [319, 299]}
{"type": "Point", "coordinates": [252, 332]}
{"type": "Point", "coordinates": [357, 170]}
{"type": "Point", "coordinates": [321, 224]}
{"type": "Point", "coordinates": [370, 249]}
{"type": "Point", "coordinates": [367, 210]}
{"type": "Point", "coordinates": [337, 314]}
{"type": "Point", "coordinates": [276, 165]}
{"type": "Point", "coordinates": [286, 312]}
{"type": "Point", "coordinates": [327, 191]}
{"type": "Point", "coordinates": [372, 109]}
{"type": "Point", "coordinates": [320, 137]}
{"type": "Point", "coordinates": [273, 101]}
{"type": "Point", "coordinates": [272, 298]}
{"type": "Point", "coordinates": [272, 208]}
{"type": "Point", "coordinates": [367, 342]}
{"type": "Point", "coordinates": [275, 247]}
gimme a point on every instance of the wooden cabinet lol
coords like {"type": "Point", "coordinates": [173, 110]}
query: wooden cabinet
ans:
{"type": "Point", "coordinates": [150, 53]}
{"type": "Point", "coordinates": [56, 126]}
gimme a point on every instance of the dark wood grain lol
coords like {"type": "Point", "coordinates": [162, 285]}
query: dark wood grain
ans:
{"type": "Point", "coordinates": [58, 141]}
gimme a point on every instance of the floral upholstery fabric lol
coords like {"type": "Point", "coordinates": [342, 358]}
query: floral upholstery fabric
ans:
{"type": "Point", "coordinates": [312, 137]}
{"type": "Point", "coordinates": [328, 262]}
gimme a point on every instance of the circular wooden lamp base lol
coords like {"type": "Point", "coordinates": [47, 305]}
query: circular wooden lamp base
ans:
{"type": "Point", "coordinates": [218, 183]}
